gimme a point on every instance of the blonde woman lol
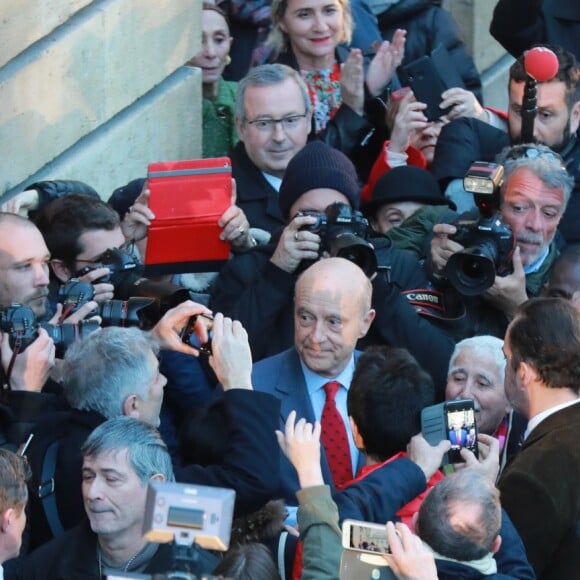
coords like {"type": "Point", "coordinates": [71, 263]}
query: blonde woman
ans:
{"type": "Point", "coordinates": [312, 36]}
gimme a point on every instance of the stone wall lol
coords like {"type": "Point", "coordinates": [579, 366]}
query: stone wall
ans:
{"type": "Point", "coordinates": [492, 61]}
{"type": "Point", "coordinates": [96, 90]}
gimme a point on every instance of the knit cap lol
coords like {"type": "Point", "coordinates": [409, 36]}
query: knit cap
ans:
{"type": "Point", "coordinates": [318, 166]}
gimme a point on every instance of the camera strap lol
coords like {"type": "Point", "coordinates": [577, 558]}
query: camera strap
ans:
{"type": "Point", "coordinates": [46, 489]}
{"type": "Point", "coordinates": [436, 304]}
{"type": "Point", "coordinates": [16, 349]}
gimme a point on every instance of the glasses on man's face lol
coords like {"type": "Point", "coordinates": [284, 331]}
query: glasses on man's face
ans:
{"type": "Point", "coordinates": [128, 248]}
{"type": "Point", "coordinates": [266, 125]}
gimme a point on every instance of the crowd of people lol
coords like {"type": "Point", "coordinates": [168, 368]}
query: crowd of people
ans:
{"type": "Point", "coordinates": [367, 283]}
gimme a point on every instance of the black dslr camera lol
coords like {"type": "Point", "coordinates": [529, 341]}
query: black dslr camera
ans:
{"type": "Point", "coordinates": [20, 323]}
{"type": "Point", "coordinates": [126, 275]}
{"type": "Point", "coordinates": [123, 268]}
{"type": "Point", "coordinates": [489, 242]}
{"type": "Point", "coordinates": [343, 233]}
{"type": "Point", "coordinates": [140, 312]}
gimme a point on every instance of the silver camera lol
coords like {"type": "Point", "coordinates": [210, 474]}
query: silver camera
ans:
{"type": "Point", "coordinates": [189, 514]}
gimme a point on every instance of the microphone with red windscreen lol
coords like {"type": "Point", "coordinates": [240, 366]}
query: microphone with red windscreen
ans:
{"type": "Point", "coordinates": [541, 65]}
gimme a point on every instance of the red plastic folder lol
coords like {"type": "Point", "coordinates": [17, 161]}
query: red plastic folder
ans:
{"type": "Point", "coordinates": [188, 198]}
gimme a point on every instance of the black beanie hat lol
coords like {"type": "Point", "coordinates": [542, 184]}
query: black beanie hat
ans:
{"type": "Point", "coordinates": [406, 183]}
{"type": "Point", "coordinates": [316, 166]}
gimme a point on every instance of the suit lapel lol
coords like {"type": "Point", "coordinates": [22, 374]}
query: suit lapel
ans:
{"type": "Point", "coordinates": [292, 390]}
{"type": "Point", "coordinates": [547, 426]}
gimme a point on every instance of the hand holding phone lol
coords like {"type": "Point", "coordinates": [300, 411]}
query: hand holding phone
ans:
{"type": "Point", "coordinates": [365, 537]}
{"type": "Point", "coordinates": [461, 428]}
{"type": "Point", "coordinates": [198, 333]}
{"type": "Point", "coordinates": [454, 421]}
{"type": "Point", "coordinates": [488, 460]}
{"type": "Point", "coordinates": [429, 76]}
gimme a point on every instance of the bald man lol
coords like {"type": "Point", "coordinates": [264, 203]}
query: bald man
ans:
{"type": "Point", "coordinates": [24, 261]}
{"type": "Point", "coordinates": [332, 311]}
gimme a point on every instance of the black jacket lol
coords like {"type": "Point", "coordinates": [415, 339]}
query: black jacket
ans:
{"type": "Point", "coordinates": [71, 427]}
{"type": "Point", "coordinates": [428, 26]}
{"type": "Point", "coordinates": [255, 195]}
{"type": "Point", "coordinates": [517, 24]}
{"type": "Point", "coordinates": [253, 290]}
{"type": "Point", "coordinates": [73, 556]}
{"type": "Point", "coordinates": [540, 490]}
{"type": "Point", "coordinates": [20, 411]}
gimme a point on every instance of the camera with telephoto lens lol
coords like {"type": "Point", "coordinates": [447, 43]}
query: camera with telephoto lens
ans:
{"type": "Point", "coordinates": [22, 327]}
{"type": "Point", "coordinates": [126, 275]}
{"type": "Point", "coordinates": [488, 242]}
{"type": "Point", "coordinates": [140, 312]}
{"type": "Point", "coordinates": [343, 233]}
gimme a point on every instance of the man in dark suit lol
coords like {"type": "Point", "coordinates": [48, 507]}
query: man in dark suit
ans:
{"type": "Point", "coordinates": [257, 287]}
{"type": "Point", "coordinates": [332, 310]}
{"type": "Point", "coordinates": [458, 435]}
{"type": "Point", "coordinates": [540, 488]}
{"type": "Point", "coordinates": [273, 119]}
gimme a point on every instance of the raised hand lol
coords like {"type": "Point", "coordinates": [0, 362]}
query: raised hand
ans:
{"type": "Point", "coordinates": [388, 57]}
{"type": "Point", "coordinates": [352, 79]}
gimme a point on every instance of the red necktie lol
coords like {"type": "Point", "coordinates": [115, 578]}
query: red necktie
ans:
{"type": "Point", "coordinates": [334, 438]}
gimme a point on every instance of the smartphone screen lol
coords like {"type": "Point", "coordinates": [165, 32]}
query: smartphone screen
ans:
{"type": "Point", "coordinates": [367, 538]}
{"type": "Point", "coordinates": [461, 428]}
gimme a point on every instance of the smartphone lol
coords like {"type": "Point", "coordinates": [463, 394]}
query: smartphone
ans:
{"type": "Point", "coordinates": [461, 428]}
{"type": "Point", "coordinates": [428, 77]}
{"type": "Point", "coordinates": [189, 336]}
{"type": "Point", "coordinates": [365, 537]}
{"type": "Point", "coordinates": [427, 86]}
{"type": "Point", "coordinates": [437, 422]}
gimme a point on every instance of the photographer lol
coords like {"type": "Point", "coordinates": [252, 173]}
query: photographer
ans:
{"type": "Point", "coordinates": [26, 371]}
{"type": "Point", "coordinates": [87, 241]}
{"type": "Point", "coordinates": [258, 287]}
{"type": "Point", "coordinates": [533, 198]}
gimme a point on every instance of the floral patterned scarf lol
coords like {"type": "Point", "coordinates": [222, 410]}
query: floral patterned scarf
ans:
{"type": "Point", "coordinates": [325, 96]}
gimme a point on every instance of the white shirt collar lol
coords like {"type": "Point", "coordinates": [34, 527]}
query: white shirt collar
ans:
{"type": "Point", "coordinates": [537, 419]}
{"type": "Point", "coordinates": [274, 181]}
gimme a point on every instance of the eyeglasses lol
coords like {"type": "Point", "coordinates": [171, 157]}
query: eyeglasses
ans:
{"type": "Point", "coordinates": [128, 247]}
{"type": "Point", "coordinates": [267, 125]}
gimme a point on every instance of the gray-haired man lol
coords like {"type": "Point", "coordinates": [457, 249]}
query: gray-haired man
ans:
{"type": "Point", "coordinates": [120, 457]}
